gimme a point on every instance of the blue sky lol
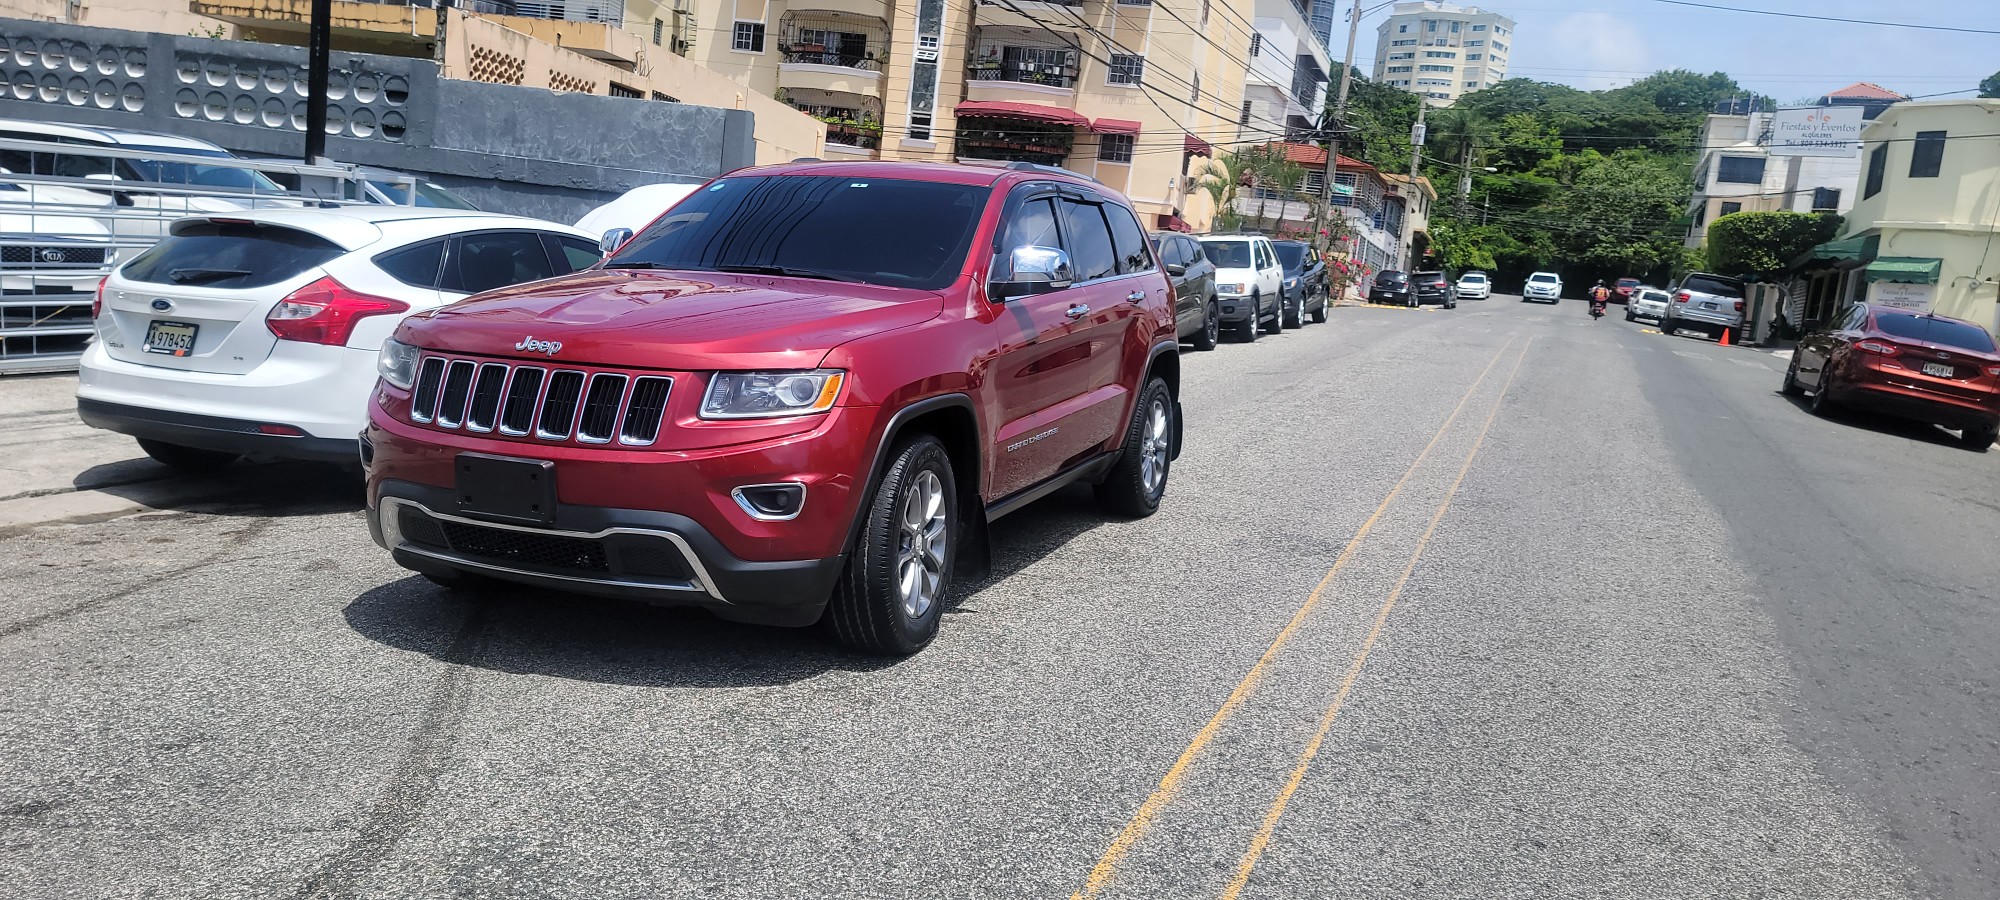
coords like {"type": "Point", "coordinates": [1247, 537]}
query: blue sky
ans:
{"type": "Point", "coordinates": [1597, 44]}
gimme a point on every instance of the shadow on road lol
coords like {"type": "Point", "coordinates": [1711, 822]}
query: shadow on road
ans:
{"type": "Point", "coordinates": [521, 630]}
{"type": "Point", "coordinates": [251, 489]}
{"type": "Point", "coordinates": [1878, 423]}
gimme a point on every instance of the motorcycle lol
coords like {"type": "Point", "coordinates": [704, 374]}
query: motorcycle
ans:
{"type": "Point", "coordinates": [1596, 308]}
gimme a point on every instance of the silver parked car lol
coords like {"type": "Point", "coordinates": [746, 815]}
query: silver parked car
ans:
{"type": "Point", "coordinates": [1647, 303]}
{"type": "Point", "coordinates": [1710, 303]}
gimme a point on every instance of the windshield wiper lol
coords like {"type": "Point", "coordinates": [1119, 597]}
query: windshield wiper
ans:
{"type": "Point", "coordinates": [790, 271]}
{"type": "Point", "coordinates": [638, 264]}
{"type": "Point", "coordinates": [203, 276]}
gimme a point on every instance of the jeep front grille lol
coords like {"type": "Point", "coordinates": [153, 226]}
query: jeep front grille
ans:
{"type": "Point", "coordinates": [547, 403]}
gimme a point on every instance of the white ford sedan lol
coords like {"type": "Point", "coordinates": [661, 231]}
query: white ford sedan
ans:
{"type": "Point", "coordinates": [258, 331]}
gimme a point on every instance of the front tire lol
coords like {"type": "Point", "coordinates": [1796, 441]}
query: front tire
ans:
{"type": "Point", "coordinates": [1666, 325]}
{"type": "Point", "coordinates": [1822, 402]}
{"type": "Point", "coordinates": [1211, 327]}
{"type": "Point", "coordinates": [186, 459]}
{"type": "Point", "coordinates": [1319, 315]}
{"type": "Point", "coordinates": [1139, 479]}
{"type": "Point", "coordinates": [1277, 315]}
{"type": "Point", "coordinates": [1791, 387]}
{"type": "Point", "coordinates": [1978, 440]}
{"type": "Point", "coordinates": [1246, 330]}
{"type": "Point", "coordinates": [891, 595]}
{"type": "Point", "coordinates": [1294, 312]}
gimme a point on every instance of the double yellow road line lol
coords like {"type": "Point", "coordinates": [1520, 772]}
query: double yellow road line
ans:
{"type": "Point", "coordinates": [1163, 795]}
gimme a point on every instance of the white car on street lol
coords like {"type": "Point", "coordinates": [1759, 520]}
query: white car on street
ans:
{"type": "Point", "coordinates": [1647, 303]}
{"type": "Point", "coordinates": [632, 212]}
{"type": "Point", "coordinates": [1473, 286]}
{"type": "Point", "coordinates": [1542, 287]}
{"type": "Point", "coordinates": [259, 331]}
{"type": "Point", "coordinates": [1249, 282]}
{"type": "Point", "coordinates": [136, 182]}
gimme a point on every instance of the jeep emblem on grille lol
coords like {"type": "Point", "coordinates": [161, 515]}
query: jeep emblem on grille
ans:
{"type": "Point", "coordinates": [534, 346]}
{"type": "Point", "coordinates": [53, 255]}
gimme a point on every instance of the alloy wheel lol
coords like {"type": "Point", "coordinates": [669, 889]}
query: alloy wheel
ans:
{"type": "Point", "coordinates": [923, 541]}
{"type": "Point", "coordinates": [1153, 449]}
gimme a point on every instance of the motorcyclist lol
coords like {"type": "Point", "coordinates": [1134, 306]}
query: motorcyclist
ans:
{"type": "Point", "coordinates": [1599, 296]}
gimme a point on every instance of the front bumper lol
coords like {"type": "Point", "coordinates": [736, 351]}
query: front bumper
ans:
{"type": "Point", "coordinates": [1648, 310]}
{"type": "Point", "coordinates": [629, 554]}
{"type": "Point", "coordinates": [1237, 308]}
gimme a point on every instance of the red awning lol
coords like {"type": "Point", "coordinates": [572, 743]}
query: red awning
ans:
{"type": "Point", "coordinates": [1115, 126]}
{"type": "Point", "coordinates": [1003, 109]}
{"type": "Point", "coordinates": [1171, 222]}
{"type": "Point", "coordinates": [1196, 146]}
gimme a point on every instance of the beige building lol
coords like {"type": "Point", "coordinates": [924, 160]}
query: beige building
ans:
{"type": "Point", "coordinates": [1130, 92]}
{"type": "Point", "coordinates": [592, 57]}
{"type": "Point", "coordinates": [1442, 51]}
{"type": "Point", "coordinates": [1920, 235]}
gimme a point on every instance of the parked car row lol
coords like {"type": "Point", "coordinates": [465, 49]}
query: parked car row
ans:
{"type": "Point", "coordinates": [796, 396]}
{"type": "Point", "coordinates": [1429, 287]}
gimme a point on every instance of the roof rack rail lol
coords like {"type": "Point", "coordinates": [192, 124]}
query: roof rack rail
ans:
{"type": "Point", "coordinates": [800, 159]}
{"type": "Point", "coordinates": [1021, 165]}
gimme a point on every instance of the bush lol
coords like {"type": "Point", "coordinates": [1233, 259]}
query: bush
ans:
{"type": "Point", "coordinates": [1764, 243]}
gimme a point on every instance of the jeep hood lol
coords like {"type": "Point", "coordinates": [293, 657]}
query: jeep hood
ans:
{"type": "Point", "coordinates": [672, 320]}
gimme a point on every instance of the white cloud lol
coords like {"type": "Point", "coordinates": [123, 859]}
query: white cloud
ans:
{"type": "Point", "coordinates": [1601, 43]}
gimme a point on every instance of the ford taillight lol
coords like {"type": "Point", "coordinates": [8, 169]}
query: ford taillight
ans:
{"type": "Point", "coordinates": [97, 300]}
{"type": "Point", "coordinates": [1683, 297]}
{"type": "Point", "coordinates": [325, 312]}
{"type": "Point", "coordinates": [1877, 347]}
{"type": "Point", "coordinates": [1739, 306]}
{"type": "Point", "coordinates": [1993, 371]}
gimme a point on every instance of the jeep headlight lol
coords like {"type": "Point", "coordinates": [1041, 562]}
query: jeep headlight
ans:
{"type": "Point", "coordinates": [397, 363]}
{"type": "Point", "coordinates": [765, 395]}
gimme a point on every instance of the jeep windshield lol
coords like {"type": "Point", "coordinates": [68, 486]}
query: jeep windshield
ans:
{"type": "Point", "coordinates": [885, 231]}
{"type": "Point", "coordinates": [1228, 254]}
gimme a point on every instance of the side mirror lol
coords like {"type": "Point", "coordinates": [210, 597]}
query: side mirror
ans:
{"type": "Point", "coordinates": [1032, 270]}
{"type": "Point", "coordinates": [1176, 269]}
{"type": "Point", "coordinates": [613, 239]}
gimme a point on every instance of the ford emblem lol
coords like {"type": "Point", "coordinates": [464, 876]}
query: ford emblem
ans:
{"type": "Point", "coordinates": [163, 304]}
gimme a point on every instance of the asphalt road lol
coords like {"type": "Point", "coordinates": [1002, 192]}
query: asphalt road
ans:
{"type": "Point", "coordinates": [1495, 602]}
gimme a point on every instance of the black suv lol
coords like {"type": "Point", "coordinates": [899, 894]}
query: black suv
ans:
{"type": "Point", "coordinates": [1433, 287]}
{"type": "Point", "coordinates": [1304, 288]}
{"type": "Point", "coordinates": [1391, 286]}
{"type": "Point", "coordinates": [1200, 320]}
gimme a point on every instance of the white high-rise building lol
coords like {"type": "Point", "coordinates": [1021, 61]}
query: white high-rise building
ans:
{"type": "Point", "coordinates": [1441, 50]}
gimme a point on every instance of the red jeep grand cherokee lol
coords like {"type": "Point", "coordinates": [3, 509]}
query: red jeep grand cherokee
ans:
{"type": "Point", "coordinates": [796, 397]}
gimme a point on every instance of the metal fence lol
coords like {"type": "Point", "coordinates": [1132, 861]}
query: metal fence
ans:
{"type": "Point", "coordinates": [69, 213]}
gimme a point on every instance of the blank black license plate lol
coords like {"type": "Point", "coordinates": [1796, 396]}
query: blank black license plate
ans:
{"type": "Point", "coordinates": [497, 487]}
{"type": "Point", "coordinates": [173, 338]}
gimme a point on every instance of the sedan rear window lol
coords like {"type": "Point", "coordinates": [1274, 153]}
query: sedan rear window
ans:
{"type": "Point", "coordinates": [1709, 284]}
{"type": "Point", "coordinates": [231, 255]}
{"type": "Point", "coordinates": [887, 231]}
{"type": "Point", "coordinates": [1928, 330]}
{"type": "Point", "coordinates": [1388, 277]}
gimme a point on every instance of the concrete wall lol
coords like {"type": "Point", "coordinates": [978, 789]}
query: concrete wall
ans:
{"type": "Point", "coordinates": [510, 149]}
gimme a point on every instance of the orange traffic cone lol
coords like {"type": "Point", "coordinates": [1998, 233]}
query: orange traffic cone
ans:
{"type": "Point", "coordinates": [1725, 337]}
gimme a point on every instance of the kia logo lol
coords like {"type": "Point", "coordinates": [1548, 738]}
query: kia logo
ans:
{"type": "Point", "coordinates": [163, 304]}
{"type": "Point", "coordinates": [534, 346]}
{"type": "Point", "coordinates": [53, 255]}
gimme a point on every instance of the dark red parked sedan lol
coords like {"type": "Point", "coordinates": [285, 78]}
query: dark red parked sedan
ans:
{"type": "Point", "coordinates": [1924, 367]}
{"type": "Point", "coordinates": [1622, 291]}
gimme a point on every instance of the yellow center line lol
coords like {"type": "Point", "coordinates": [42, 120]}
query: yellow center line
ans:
{"type": "Point", "coordinates": [1277, 810]}
{"type": "Point", "coordinates": [1170, 783]}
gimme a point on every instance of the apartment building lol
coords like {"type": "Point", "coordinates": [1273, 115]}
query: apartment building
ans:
{"type": "Point", "coordinates": [1134, 93]}
{"type": "Point", "coordinates": [1441, 51]}
{"type": "Point", "coordinates": [1284, 88]}
{"type": "Point", "coordinates": [1738, 173]}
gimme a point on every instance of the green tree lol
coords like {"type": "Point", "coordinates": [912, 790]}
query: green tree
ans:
{"type": "Point", "coordinates": [1990, 86]}
{"type": "Point", "coordinates": [1764, 243]}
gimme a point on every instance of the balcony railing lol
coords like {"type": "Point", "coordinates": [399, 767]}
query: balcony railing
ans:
{"type": "Point", "coordinates": [807, 53]}
{"type": "Point", "coordinates": [1023, 74]}
{"type": "Point", "coordinates": [1046, 66]}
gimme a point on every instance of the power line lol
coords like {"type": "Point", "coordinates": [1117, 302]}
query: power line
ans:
{"type": "Point", "coordinates": [1791, 15]}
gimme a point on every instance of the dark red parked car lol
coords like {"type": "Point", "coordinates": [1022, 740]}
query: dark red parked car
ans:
{"type": "Point", "coordinates": [1924, 367]}
{"type": "Point", "coordinates": [796, 397]}
{"type": "Point", "coordinates": [1622, 291]}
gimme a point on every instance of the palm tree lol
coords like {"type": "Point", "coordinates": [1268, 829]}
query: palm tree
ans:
{"type": "Point", "coordinates": [1286, 176]}
{"type": "Point", "coordinates": [1226, 171]}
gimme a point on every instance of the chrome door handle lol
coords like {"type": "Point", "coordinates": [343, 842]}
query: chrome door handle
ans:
{"type": "Point", "coordinates": [1136, 296]}
{"type": "Point", "coordinates": [1077, 312]}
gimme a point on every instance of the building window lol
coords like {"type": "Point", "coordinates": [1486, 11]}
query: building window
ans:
{"type": "Point", "coordinates": [1478, 28]}
{"type": "Point", "coordinates": [618, 90]}
{"type": "Point", "coordinates": [1431, 25]}
{"type": "Point", "coordinates": [659, 31]}
{"type": "Point", "coordinates": [1204, 12]}
{"type": "Point", "coordinates": [1115, 148]}
{"type": "Point", "coordinates": [1399, 68]}
{"type": "Point", "coordinates": [1194, 96]}
{"type": "Point", "coordinates": [1878, 166]}
{"type": "Point", "coordinates": [1472, 56]}
{"type": "Point", "coordinates": [1434, 68]}
{"type": "Point", "coordinates": [1439, 54]}
{"type": "Point", "coordinates": [1826, 200]}
{"type": "Point", "coordinates": [1244, 117]}
{"type": "Point", "coordinates": [1403, 55]}
{"type": "Point", "coordinates": [1403, 28]}
{"type": "Point", "coordinates": [663, 98]}
{"type": "Point", "coordinates": [1256, 44]}
{"type": "Point", "coordinates": [1472, 84]}
{"type": "Point", "coordinates": [1927, 156]}
{"type": "Point", "coordinates": [1740, 170]}
{"type": "Point", "coordinates": [1412, 42]}
{"type": "Point", "coordinates": [1127, 68]}
{"type": "Point", "coordinates": [1700, 215]}
{"type": "Point", "coordinates": [1475, 43]}
{"type": "Point", "coordinates": [1730, 207]}
{"type": "Point", "coordinates": [749, 36]}
{"type": "Point", "coordinates": [1454, 28]}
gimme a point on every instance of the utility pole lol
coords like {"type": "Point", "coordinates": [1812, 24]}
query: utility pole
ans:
{"type": "Point", "coordinates": [319, 46]}
{"type": "Point", "coordinates": [1465, 175]}
{"type": "Point", "coordinates": [1416, 172]}
{"type": "Point", "coordinates": [1339, 123]}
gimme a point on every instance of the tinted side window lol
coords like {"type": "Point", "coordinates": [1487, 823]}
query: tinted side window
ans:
{"type": "Point", "coordinates": [1129, 240]}
{"type": "Point", "coordinates": [230, 255]}
{"type": "Point", "coordinates": [1170, 250]}
{"type": "Point", "coordinates": [1033, 225]}
{"type": "Point", "coordinates": [574, 254]}
{"type": "Point", "coordinates": [1090, 248]}
{"type": "Point", "coordinates": [483, 262]}
{"type": "Point", "coordinates": [1195, 255]}
{"type": "Point", "coordinates": [416, 266]}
